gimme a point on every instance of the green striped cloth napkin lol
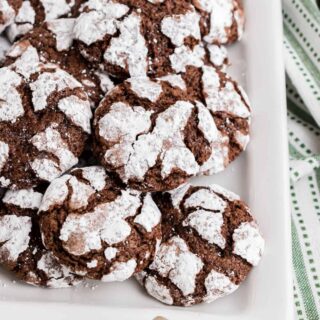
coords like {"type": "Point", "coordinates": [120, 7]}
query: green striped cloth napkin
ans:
{"type": "Point", "coordinates": [302, 58]}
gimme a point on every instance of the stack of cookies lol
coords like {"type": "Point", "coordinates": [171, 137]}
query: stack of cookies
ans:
{"type": "Point", "coordinates": [107, 109]}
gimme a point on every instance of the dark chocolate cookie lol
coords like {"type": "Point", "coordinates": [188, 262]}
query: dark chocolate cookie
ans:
{"type": "Point", "coordinates": [8, 11]}
{"type": "Point", "coordinates": [157, 133]}
{"type": "Point", "coordinates": [54, 43]}
{"type": "Point", "coordinates": [21, 248]}
{"type": "Point", "coordinates": [133, 38]}
{"type": "Point", "coordinates": [210, 244]}
{"type": "Point", "coordinates": [44, 121]}
{"type": "Point", "coordinates": [97, 228]}
{"type": "Point", "coordinates": [32, 13]}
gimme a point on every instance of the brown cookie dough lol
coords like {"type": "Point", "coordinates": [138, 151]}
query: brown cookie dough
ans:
{"type": "Point", "coordinates": [133, 38]}
{"type": "Point", "coordinates": [210, 244]}
{"type": "Point", "coordinates": [54, 43]}
{"type": "Point", "coordinates": [21, 248]}
{"type": "Point", "coordinates": [97, 228]}
{"type": "Point", "coordinates": [157, 133]}
{"type": "Point", "coordinates": [32, 13]}
{"type": "Point", "coordinates": [44, 121]}
{"type": "Point", "coordinates": [8, 11]}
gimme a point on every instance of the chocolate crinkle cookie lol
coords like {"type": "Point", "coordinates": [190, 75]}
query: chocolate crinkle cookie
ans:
{"type": "Point", "coordinates": [44, 121]}
{"type": "Point", "coordinates": [21, 248]}
{"type": "Point", "coordinates": [97, 228]}
{"type": "Point", "coordinates": [53, 41]}
{"type": "Point", "coordinates": [32, 13]}
{"type": "Point", "coordinates": [131, 38]}
{"type": "Point", "coordinates": [8, 11]}
{"type": "Point", "coordinates": [157, 133]}
{"type": "Point", "coordinates": [210, 244]}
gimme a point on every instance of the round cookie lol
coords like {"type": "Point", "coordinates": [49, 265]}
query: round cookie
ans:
{"type": "Point", "coordinates": [21, 248]}
{"type": "Point", "coordinates": [8, 11]}
{"type": "Point", "coordinates": [210, 244]}
{"type": "Point", "coordinates": [44, 122]}
{"type": "Point", "coordinates": [132, 38]}
{"type": "Point", "coordinates": [157, 133]}
{"type": "Point", "coordinates": [32, 13]}
{"type": "Point", "coordinates": [97, 228]}
{"type": "Point", "coordinates": [54, 43]}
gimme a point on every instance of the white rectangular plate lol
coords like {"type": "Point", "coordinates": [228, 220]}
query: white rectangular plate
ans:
{"type": "Point", "coordinates": [260, 176]}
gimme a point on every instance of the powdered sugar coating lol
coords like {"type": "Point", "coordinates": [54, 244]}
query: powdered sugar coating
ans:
{"type": "Point", "coordinates": [150, 215]}
{"type": "Point", "coordinates": [24, 199]}
{"type": "Point", "coordinates": [55, 8]}
{"type": "Point", "coordinates": [14, 236]}
{"type": "Point", "coordinates": [11, 107]}
{"type": "Point", "coordinates": [63, 32]}
{"type": "Point", "coordinates": [205, 199]}
{"type": "Point", "coordinates": [218, 54]}
{"type": "Point", "coordinates": [81, 192]}
{"type": "Point", "coordinates": [121, 271]}
{"type": "Point", "coordinates": [146, 88]}
{"type": "Point", "coordinates": [58, 276]}
{"type": "Point", "coordinates": [51, 141]}
{"type": "Point", "coordinates": [129, 50]}
{"type": "Point", "coordinates": [208, 225]}
{"type": "Point", "coordinates": [158, 291]}
{"type": "Point", "coordinates": [183, 56]}
{"type": "Point", "coordinates": [78, 111]}
{"type": "Point", "coordinates": [175, 80]}
{"type": "Point", "coordinates": [105, 82]}
{"type": "Point", "coordinates": [49, 82]}
{"type": "Point", "coordinates": [98, 20]}
{"type": "Point", "coordinates": [7, 14]}
{"type": "Point", "coordinates": [248, 242]}
{"type": "Point", "coordinates": [179, 27]}
{"type": "Point", "coordinates": [110, 253]}
{"type": "Point", "coordinates": [175, 261]}
{"type": "Point", "coordinates": [218, 285]}
{"type": "Point", "coordinates": [222, 99]}
{"type": "Point", "coordinates": [4, 47]}
{"type": "Point", "coordinates": [96, 176]}
{"type": "Point", "coordinates": [23, 21]}
{"type": "Point", "coordinates": [4, 154]}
